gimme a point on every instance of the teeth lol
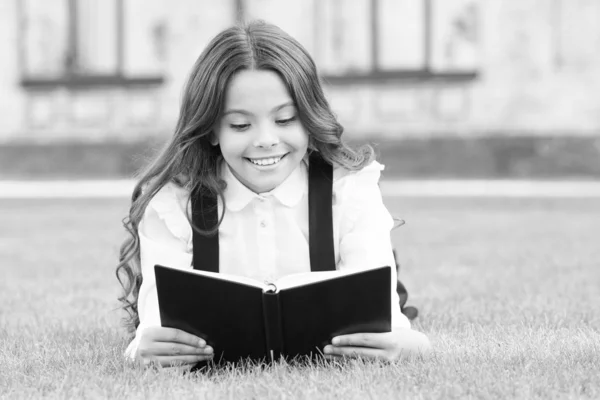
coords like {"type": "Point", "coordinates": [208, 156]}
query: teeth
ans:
{"type": "Point", "coordinates": [265, 161]}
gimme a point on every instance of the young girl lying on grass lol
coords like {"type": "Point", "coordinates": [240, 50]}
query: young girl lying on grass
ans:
{"type": "Point", "coordinates": [252, 111]}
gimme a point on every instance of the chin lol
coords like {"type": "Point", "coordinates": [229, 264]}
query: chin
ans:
{"type": "Point", "coordinates": [267, 186]}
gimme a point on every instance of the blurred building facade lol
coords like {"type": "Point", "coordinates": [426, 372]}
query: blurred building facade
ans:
{"type": "Point", "coordinates": [114, 69]}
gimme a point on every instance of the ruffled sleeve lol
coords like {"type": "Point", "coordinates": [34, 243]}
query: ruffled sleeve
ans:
{"type": "Point", "coordinates": [166, 239]}
{"type": "Point", "coordinates": [364, 226]}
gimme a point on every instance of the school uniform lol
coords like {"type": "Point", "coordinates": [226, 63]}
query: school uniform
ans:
{"type": "Point", "coordinates": [265, 236]}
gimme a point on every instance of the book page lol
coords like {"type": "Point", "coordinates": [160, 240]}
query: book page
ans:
{"type": "Point", "coordinates": [228, 277]}
{"type": "Point", "coordinates": [288, 281]}
{"type": "Point", "coordinates": [306, 278]}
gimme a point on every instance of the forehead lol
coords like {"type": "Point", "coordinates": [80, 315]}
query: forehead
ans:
{"type": "Point", "coordinates": [255, 91]}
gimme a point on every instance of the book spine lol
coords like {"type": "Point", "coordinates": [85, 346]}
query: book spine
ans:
{"type": "Point", "coordinates": [273, 325]}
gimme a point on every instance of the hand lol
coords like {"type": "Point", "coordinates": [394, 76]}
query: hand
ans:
{"type": "Point", "coordinates": [394, 345]}
{"type": "Point", "coordinates": [170, 347]}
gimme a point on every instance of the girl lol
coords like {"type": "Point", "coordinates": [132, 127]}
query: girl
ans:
{"type": "Point", "coordinates": [252, 111]}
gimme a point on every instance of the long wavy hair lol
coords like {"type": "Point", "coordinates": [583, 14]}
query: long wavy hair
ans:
{"type": "Point", "coordinates": [191, 161]}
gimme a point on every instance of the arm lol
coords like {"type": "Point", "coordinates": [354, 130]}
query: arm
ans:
{"type": "Point", "coordinates": [364, 240]}
{"type": "Point", "coordinates": [163, 240]}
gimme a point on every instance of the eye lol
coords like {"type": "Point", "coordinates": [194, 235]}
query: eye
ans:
{"type": "Point", "coordinates": [239, 127]}
{"type": "Point", "coordinates": [285, 121]}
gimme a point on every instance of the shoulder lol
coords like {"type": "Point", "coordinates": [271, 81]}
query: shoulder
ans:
{"type": "Point", "coordinates": [368, 176]}
{"type": "Point", "coordinates": [354, 191]}
{"type": "Point", "coordinates": [357, 198]}
{"type": "Point", "coordinates": [170, 205]}
{"type": "Point", "coordinates": [170, 197]}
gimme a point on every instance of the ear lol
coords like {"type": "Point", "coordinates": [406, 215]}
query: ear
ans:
{"type": "Point", "coordinates": [214, 138]}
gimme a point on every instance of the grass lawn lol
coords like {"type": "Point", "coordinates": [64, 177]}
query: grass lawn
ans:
{"type": "Point", "coordinates": [508, 291]}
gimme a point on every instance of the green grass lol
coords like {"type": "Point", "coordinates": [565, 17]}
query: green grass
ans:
{"type": "Point", "coordinates": [508, 292]}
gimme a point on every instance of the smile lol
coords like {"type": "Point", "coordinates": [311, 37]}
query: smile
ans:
{"type": "Point", "coordinates": [266, 161]}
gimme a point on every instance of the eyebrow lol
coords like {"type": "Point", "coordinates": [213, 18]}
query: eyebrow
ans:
{"type": "Point", "coordinates": [239, 111]}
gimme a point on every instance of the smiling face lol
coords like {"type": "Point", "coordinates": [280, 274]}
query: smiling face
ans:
{"type": "Point", "coordinates": [260, 134]}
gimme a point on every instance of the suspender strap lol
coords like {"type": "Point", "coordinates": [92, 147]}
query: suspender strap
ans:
{"type": "Point", "coordinates": [320, 216]}
{"type": "Point", "coordinates": [205, 215]}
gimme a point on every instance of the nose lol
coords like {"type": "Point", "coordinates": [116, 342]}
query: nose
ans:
{"type": "Point", "coordinates": [266, 137]}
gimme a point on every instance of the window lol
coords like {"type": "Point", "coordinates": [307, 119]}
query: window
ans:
{"type": "Point", "coordinates": [454, 35]}
{"type": "Point", "coordinates": [83, 42]}
{"type": "Point", "coordinates": [371, 40]}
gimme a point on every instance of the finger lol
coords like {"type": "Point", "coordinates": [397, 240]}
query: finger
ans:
{"type": "Point", "coordinates": [183, 360]}
{"type": "Point", "coordinates": [373, 340]}
{"type": "Point", "coordinates": [354, 352]}
{"type": "Point", "coordinates": [161, 334]}
{"type": "Point", "coordinates": [173, 361]}
{"type": "Point", "coordinates": [177, 349]}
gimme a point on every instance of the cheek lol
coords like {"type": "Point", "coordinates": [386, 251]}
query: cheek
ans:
{"type": "Point", "coordinates": [300, 138]}
{"type": "Point", "coordinates": [232, 146]}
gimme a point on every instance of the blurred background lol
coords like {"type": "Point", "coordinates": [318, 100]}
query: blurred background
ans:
{"type": "Point", "coordinates": [456, 88]}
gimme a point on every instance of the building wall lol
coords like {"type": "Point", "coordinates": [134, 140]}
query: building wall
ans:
{"type": "Point", "coordinates": [537, 72]}
{"type": "Point", "coordinates": [540, 66]}
{"type": "Point", "coordinates": [11, 95]}
{"type": "Point", "coordinates": [538, 75]}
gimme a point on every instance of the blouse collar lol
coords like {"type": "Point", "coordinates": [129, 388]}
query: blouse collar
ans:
{"type": "Point", "coordinates": [289, 192]}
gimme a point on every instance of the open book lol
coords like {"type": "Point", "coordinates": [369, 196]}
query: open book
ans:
{"type": "Point", "coordinates": [296, 315]}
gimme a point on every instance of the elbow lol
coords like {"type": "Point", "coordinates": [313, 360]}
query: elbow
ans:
{"type": "Point", "coordinates": [423, 347]}
{"type": "Point", "coordinates": [415, 344]}
{"type": "Point", "coordinates": [419, 345]}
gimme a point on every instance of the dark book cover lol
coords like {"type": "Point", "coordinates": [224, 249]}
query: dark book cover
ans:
{"type": "Point", "coordinates": [243, 318]}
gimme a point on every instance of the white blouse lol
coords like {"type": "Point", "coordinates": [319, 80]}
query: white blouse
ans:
{"type": "Point", "coordinates": [265, 236]}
